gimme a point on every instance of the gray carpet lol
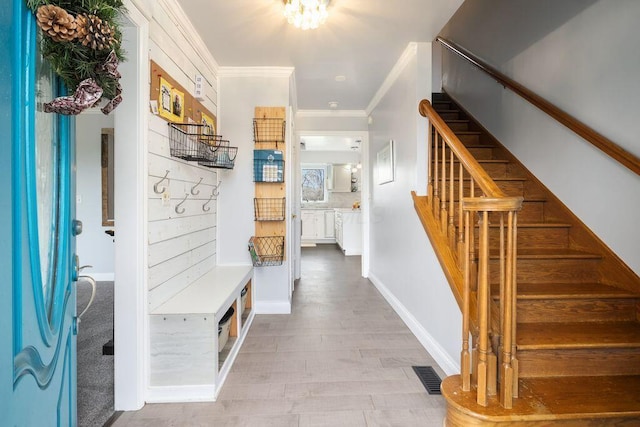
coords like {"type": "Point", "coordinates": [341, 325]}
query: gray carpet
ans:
{"type": "Point", "coordinates": [95, 371]}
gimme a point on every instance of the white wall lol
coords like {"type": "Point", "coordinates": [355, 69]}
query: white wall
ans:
{"type": "Point", "coordinates": [182, 246]}
{"type": "Point", "coordinates": [329, 157]}
{"type": "Point", "coordinates": [403, 264]}
{"type": "Point", "coordinates": [94, 247]}
{"type": "Point", "coordinates": [579, 56]}
{"type": "Point", "coordinates": [241, 90]}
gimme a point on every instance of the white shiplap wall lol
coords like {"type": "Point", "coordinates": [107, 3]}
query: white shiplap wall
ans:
{"type": "Point", "coordinates": [181, 246]}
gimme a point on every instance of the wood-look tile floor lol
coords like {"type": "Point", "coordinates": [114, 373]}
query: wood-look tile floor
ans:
{"type": "Point", "coordinates": [342, 358]}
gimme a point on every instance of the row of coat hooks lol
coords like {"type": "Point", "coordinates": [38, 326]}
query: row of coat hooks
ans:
{"type": "Point", "coordinates": [194, 191]}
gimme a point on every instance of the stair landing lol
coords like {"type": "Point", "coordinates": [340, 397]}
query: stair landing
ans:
{"type": "Point", "coordinates": [570, 401]}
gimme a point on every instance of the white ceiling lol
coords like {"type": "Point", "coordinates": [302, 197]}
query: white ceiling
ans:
{"type": "Point", "coordinates": [361, 40]}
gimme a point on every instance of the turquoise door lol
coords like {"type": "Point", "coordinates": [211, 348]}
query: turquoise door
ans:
{"type": "Point", "coordinates": [37, 262]}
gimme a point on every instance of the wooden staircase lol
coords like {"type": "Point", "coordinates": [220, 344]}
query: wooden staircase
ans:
{"type": "Point", "coordinates": [577, 304]}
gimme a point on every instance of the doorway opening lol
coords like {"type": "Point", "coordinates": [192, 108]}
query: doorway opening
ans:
{"type": "Point", "coordinates": [332, 194]}
{"type": "Point", "coordinates": [116, 249]}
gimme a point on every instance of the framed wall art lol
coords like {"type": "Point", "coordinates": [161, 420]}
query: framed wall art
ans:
{"type": "Point", "coordinates": [385, 163]}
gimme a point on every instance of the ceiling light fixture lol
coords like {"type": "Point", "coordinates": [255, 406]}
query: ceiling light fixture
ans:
{"type": "Point", "coordinates": [306, 14]}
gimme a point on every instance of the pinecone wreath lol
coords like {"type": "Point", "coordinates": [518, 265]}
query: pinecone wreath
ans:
{"type": "Point", "coordinates": [56, 22]}
{"type": "Point", "coordinates": [94, 32]}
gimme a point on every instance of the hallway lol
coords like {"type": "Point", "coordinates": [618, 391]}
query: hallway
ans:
{"type": "Point", "coordinates": [342, 358]}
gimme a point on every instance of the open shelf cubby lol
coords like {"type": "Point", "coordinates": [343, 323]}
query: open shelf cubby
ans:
{"type": "Point", "coordinates": [266, 251]}
{"type": "Point", "coordinates": [268, 130]}
{"type": "Point", "coordinates": [269, 209]}
{"type": "Point", "coordinates": [192, 142]}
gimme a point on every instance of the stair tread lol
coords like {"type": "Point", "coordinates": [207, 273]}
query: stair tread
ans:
{"type": "Point", "coordinates": [587, 395]}
{"type": "Point", "coordinates": [504, 178]}
{"type": "Point", "coordinates": [546, 400]}
{"type": "Point", "coordinates": [568, 291]}
{"type": "Point", "coordinates": [549, 253]}
{"type": "Point", "coordinates": [574, 335]}
{"type": "Point", "coordinates": [467, 132]}
{"type": "Point", "coordinates": [505, 161]}
{"type": "Point", "coordinates": [456, 120]}
{"type": "Point", "coordinates": [535, 225]}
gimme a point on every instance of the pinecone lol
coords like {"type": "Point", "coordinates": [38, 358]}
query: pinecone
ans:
{"type": "Point", "coordinates": [94, 32]}
{"type": "Point", "coordinates": [56, 22]}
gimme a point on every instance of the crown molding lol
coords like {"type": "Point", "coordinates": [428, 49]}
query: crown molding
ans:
{"type": "Point", "coordinates": [409, 53]}
{"type": "Point", "coordinates": [184, 25]}
{"type": "Point", "coordinates": [332, 113]}
{"type": "Point", "coordinates": [255, 71]}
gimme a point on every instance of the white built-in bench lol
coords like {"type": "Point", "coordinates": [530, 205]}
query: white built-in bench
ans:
{"type": "Point", "coordinates": [185, 362]}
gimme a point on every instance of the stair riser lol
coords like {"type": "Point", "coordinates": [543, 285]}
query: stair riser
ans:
{"type": "Point", "coordinates": [458, 126]}
{"type": "Point", "coordinates": [469, 138]}
{"type": "Point", "coordinates": [576, 310]}
{"type": "Point", "coordinates": [479, 153]}
{"type": "Point", "coordinates": [555, 238]}
{"type": "Point", "coordinates": [550, 270]}
{"type": "Point", "coordinates": [450, 115]}
{"type": "Point", "coordinates": [605, 361]}
{"type": "Point", "coordinates": [442, 104]}
{"type": "Point", "coordinates": [530, 212]}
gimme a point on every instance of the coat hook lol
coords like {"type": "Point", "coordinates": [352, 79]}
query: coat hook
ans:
{"type": "Point", "coordinates": [205, 208]}
{"type": "Point", "coordinates": [193, 189]}
{"type": "Point", "coordinates": [155, 186]}
{"type": "Point", "coordinates": [215, 192]}
{"type": "Point", "coordinates": [178, 210]}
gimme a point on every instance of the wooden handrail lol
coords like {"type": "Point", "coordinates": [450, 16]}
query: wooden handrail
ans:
{"type": "Point", "coordinates": [607, 146]}
{"type": "Point", "coordinates": [453, 176]}
{"type": "Point", "coordinates": [487, 185]}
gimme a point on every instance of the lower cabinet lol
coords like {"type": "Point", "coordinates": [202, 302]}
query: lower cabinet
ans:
{"type": "Point", "coordinates": [348, 230]}
{"type": "Point", "coordinates": [317, 225]}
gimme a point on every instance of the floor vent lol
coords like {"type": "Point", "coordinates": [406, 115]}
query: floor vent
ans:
{"type": "Point", "coordinates": [430, 380]}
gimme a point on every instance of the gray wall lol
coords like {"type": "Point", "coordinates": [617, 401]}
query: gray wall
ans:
{"type": "Point", "coordinates": [581, 56]}
{"type": "Point", "coordinates": [403, 264]}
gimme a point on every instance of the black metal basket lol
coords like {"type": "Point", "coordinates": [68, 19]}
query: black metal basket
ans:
{"type": "Point", "coordinates": [266, 251]}
{"type": "Point", "coordinates": [268, 130]}
{"type": "Point", "coordinates": [269, 209]}
{"type": "Point", "coordinates": [191, 141]}
{"type": "Point", "coordinates": [223, 157]}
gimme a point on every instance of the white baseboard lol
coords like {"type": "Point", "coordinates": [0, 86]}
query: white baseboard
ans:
{"type": "Point", "coordinates": [175, 394]}
{"type": "Point", "coordinates": [273, 307]}
{"type": "Point", "coordinates": [449, 365]}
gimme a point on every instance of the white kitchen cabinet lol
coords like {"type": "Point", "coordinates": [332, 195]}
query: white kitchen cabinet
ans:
{"type": "Point", "coordinates": [309, 229]}
{"type": "Point", "coordinates": [348, 229]}
{"type": "Point", "coordinates": [317, 225]}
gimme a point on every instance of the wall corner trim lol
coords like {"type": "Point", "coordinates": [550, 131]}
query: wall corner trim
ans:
{"type": "Point", "coordinates": [409, 53]}
{"type": "Point", "coordinates": [273, 307]}
{"type": "Point", "coordinates": [446, 362]}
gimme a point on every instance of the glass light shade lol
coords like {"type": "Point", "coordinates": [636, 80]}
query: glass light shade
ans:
{"type": "Point", "coordinates": [306, 14]}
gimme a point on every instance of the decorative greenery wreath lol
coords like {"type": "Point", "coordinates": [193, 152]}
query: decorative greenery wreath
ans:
{"type": "Point", "coordinates": [82, 42]}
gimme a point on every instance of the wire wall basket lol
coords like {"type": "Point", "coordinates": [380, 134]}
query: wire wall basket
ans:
{"type": "Point", "coordinates": [269, 209]}
{"type": "Point", "coordinates": [268, 130]}
{"type": "Point", "coordinates": [266, 251]}
{"type": "Point", "coordinates": [192, 142]}
{"type": "Point", "coordinates": [223, 157]}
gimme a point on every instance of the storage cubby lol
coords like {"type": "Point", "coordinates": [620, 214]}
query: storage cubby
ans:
{"type": "Point", "coordinates": [269, 209]}
{"type": "Point", "coordinates": [192, 142]}
{"type": "Point", "coordinates": [245, 304]}
{"type": "Point", "coordinates": [268, 130]}
{"type": "Point", "coordinates": [266, 251]}
{"type": "Point", "coordinates": [232, 325]}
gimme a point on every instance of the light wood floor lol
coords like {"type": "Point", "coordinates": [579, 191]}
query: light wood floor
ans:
{"type": "Point", "coordinates": [342, 358]}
